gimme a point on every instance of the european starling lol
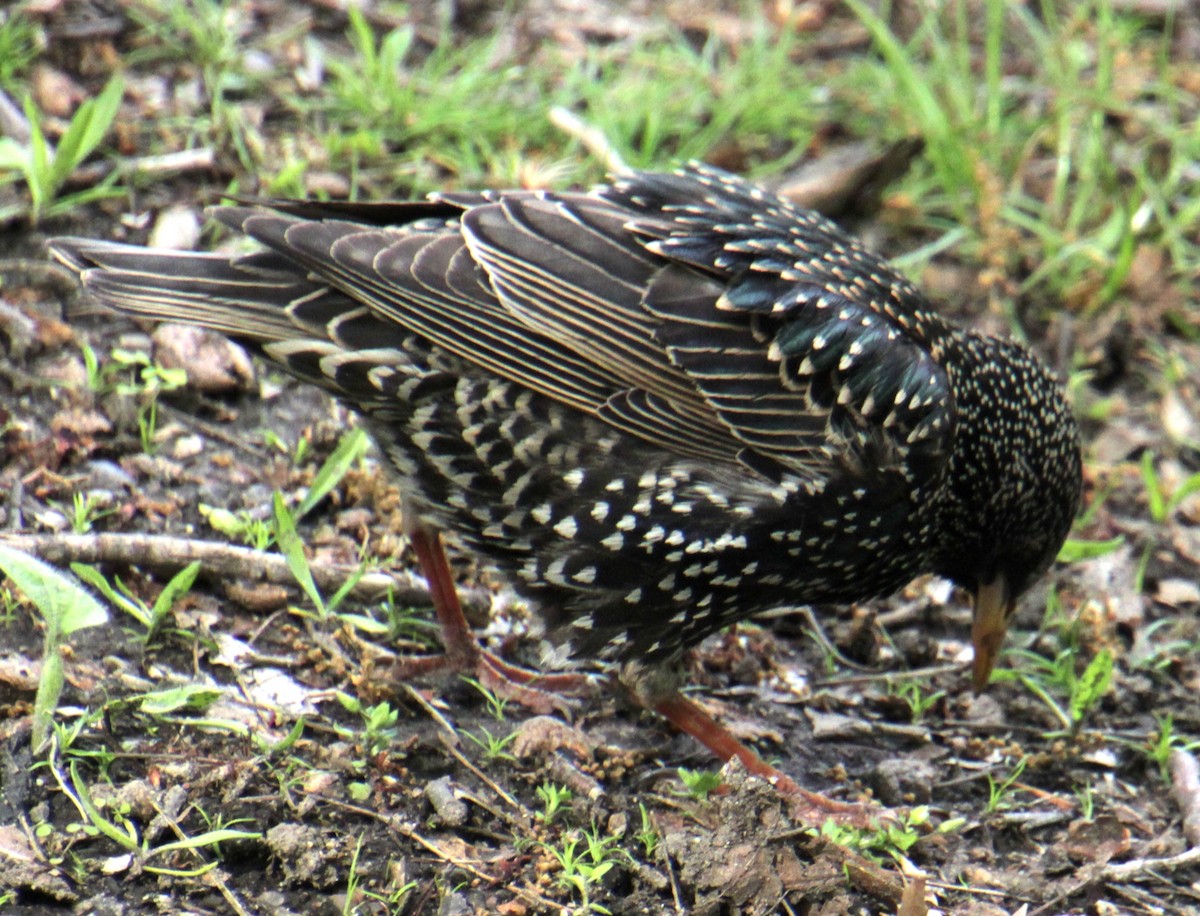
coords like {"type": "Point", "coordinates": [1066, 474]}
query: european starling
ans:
{"type": "Point", "coordinates": [656, 408]}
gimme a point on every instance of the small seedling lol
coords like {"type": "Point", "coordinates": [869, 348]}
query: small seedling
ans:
{"type": "Point", "coordinates": [1043, 675]}
{"type": "Point", "coordinates": [94, 375]}
{"type": "Point", "coordinates": [46, 169]}
{"type": "Point", "coordinates": [1165, 740]}
{"type": "Point", "coordinates": [399, 622]}
{"type": "Point", "coordinates": [120, 596]}
{"type": "Point", "coordinates": [394, 902]}
{"type": "Point", "coordinates": [1090, 686]}
{"type": "Point", "coordinates": [66, 740]}
{"type": "Point", "coordinates": [555, 800]}
{"type": "Point", "coordinates": [243, 526]}
{"type": "Point", "coordinates": [998, 791]}
{"type": "Point", "coordinates": [1087, 802]}
{"type": "Point", "coordinates": [275, 442]}
{"type": "Point", "coordinates": [405, 621]}
{"type": "Point", "coordinates": [65, 607]}
{"type": "Point", "coordinates": [8, 604]}
{"type": "Point", "coordinates": [132, 374]}
{"type": "Point", "coordinates": [379, 721]}
{"type": "Point", "coordinates": [1154, 653]}
{"type": "Point", "coordinates": [493, 747]}
{"type": "Point", "coordinates": [648, 835]}
{"type": "Point", "coordinates": [1160, 505]}
{"type": "Point", "coordinates": [600, 847]}
{"type": "Point", "coordinates": [892, 839]}
{"type": "Point", "coordinates": [581, 871]}
{"type": "Point", "coordinates": [699, 783]}
{"type": "Point", "coordinates": [85, 510]}
{"type": "Point", "coordinates": [124, 832]}
{"type": "Point", "coordinates": [912, 693]}
{"type": "Point", "coordinates": [495, 704]}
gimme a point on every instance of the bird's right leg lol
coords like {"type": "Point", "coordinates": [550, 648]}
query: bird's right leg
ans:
{"type": "Point", "coordinates": [463, 654]}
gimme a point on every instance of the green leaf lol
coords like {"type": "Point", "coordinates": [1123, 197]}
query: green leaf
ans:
{"type": "Point", "coordinates": [63, 603]}
{"type": "Point", "coordinates": [50, 686]}
{"type": "Point", "coordinates": [349, 450]}
{"type": "Point", "coordinates": [364, 624]}
{"type": "Point", "coordinates": [1092, 685]}
{"type": "Point", "coordinates": [222, 520]}
{"type": "Point", "coordinates": [95, 578]}
{"type": "Point", "coordinates": [66, 607]}
{"type": "Point", "coordinates": [188, 698]}
{"type": "Point", "coordinates": [292, 549]}
{"type": "Point", "coordinates": [180, 585]}
{"type": "Point", "coordinates": [87, 128]}
{"type": "Point", "coordinates": [1186, 489]}
{"type": "Point", "coordinates": [182, 872]}
{"type": "Point", "coordinates": [346, 587]}
{"type": "Point", "coordinates": [700, 783]}
{"type": "Point", "coordinates": [284, 744]}
{"type": "Point", "coordinates": [211, 838]}
{"type": "Point", "coordinates": [13, 156]}
{"type": "Point", "coordinates": [1074, 550]}
{"type": "Point", "coordinates": [126, 838]}
{"type": "Point", "coordinates": [38, 173]}
{"type": "Point", "coordinates": [1154, 495]}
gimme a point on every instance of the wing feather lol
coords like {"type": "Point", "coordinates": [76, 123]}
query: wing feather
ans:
{"type": "Point", "coordinates": [693, 310]}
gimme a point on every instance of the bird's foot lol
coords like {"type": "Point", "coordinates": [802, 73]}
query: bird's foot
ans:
{"type": "Point", "coordinates": [542, 693]}
{"type": "Point", "coordinates": [810, 808]}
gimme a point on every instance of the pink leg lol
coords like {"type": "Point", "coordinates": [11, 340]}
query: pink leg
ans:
{"type": "Point", "coordinates": [811, 807]}
{"type": "Point", "coordinates": [463, 653]}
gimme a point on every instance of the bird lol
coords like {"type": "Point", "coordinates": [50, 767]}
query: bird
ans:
{"type": "Point", "coordinates": [654, 408]}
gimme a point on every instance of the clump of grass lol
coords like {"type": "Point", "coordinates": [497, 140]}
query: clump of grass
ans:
{"type": "Point", "coordinates": [45, 168]}
{"type": "Point", "coordinates": [20, 43]}
{"type": "Point", "coordinates": [1039, 168]}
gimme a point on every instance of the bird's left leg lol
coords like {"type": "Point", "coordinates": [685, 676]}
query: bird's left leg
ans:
{"type": "Point", "coordinates": [654, 691]}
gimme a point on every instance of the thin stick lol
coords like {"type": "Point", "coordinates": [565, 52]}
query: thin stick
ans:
{"type": "Point", "coordinates": [159, 166]}
{"type": "Point", "coordinates": [1123, 871]}
{"type": "Point", "coordinates": [218, 559]}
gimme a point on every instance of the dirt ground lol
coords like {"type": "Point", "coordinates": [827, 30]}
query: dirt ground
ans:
{"type": "Point", "coordinates": [404, 798]}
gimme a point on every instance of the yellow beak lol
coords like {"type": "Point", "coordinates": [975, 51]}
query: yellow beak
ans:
{"type": "Point", "coordinates": [993, 607]}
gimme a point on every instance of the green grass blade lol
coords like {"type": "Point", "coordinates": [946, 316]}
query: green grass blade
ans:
{"type": "Point", "coordinates": [349, 450]}
{"type": "Point", "coordinates": [85, 132]}
{"type": "Point", "coordinates": [292, 549]}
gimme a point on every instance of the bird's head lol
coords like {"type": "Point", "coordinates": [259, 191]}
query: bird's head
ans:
{"type": "Point", "coordinates": [996, 580]}
{"type": "Point", "coordinates": [1017, 461]}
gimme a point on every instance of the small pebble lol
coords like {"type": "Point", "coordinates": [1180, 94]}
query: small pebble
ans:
{"type": "Point", "coordinates": [177, 228]}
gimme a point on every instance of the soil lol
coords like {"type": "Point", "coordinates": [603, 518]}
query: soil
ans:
{"type": "Point", "coordinates": [358, 793]}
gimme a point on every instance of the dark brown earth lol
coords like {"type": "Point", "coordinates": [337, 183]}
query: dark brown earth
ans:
{"type": "Point", "coordinates": [387, 801]}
